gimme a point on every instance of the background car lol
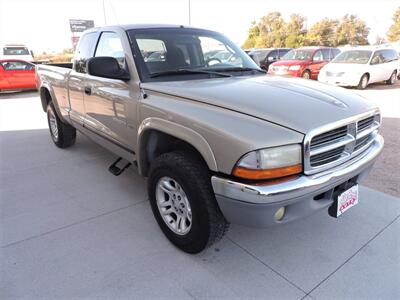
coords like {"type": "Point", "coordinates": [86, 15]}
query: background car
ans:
{"type": "Point", "coordinates": [361, 66]}
{"type": "Point", "coordinates": [265, 57]}
{"type": "Point", "coordinates": [17, 74]}
{"type": "Point", "coordinates": [304, 62]}
{"type": "Point", "coordinates": [14, 51]}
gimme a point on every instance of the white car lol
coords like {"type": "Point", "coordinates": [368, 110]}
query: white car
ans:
{"type": "Point", "coordinates": [19, 52]}
{"type": "Point", "coordinates": [360, 67]}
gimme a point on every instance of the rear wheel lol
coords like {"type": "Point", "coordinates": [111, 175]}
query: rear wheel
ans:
{"type": "Point", "coordinates": [306, 74]}
{"type": "Point", "coordinates": [392, 79]}
{"type": "Point", "coordinates": [183, 202]}
{"type": "Point", "coordinates": [363, 82]}
{"type": "Point", "coordinates": [63, 135]}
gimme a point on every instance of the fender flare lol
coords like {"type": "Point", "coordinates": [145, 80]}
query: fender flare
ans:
{"type": "Point", "coordinates": [53, 98]}
{"type": "Point", "coordinates": [178, 131]}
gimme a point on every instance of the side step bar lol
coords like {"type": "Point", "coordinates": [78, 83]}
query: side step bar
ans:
{"type": "Point", "coordinates": [117, 170]}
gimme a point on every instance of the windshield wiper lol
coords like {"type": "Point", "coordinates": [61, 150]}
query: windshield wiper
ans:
{"type": "Point", "coordinates": [239, 69]}
{"type": "Point", "coordinates": [187, 71]}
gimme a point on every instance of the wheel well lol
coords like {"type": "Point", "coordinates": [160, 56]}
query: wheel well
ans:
{"type": "Point", "coordinates": [154, 143]}
{"type": "Point", "coordinates": [366, 74]}
{"type": "Point", "coordinates": [45, 97]}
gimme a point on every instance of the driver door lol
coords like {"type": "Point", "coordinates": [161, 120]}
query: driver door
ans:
{"type": "Point", "coordinates": [317, 63]}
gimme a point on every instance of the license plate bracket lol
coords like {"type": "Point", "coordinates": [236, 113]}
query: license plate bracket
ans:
{"type": "Point", "coordinates": [344, 200]}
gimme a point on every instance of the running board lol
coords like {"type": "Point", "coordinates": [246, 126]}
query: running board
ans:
{"type": "Point", "coordinates": [117, 170]}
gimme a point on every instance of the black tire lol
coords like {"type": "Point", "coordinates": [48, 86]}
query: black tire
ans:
{"type": "Point", "coordinates": [363, 82]}
{"type": "Point", "coordinates": [306, 75]}
{"type": "Point", "coordinates": [208, 224]}
{"type": "Point", "coordinates": [392, 79]}
{"type": "Point", "coordinates": [65, 135]}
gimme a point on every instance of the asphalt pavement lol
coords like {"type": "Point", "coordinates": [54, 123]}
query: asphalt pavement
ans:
{"type": "Point", "coordinates": [70, 229]}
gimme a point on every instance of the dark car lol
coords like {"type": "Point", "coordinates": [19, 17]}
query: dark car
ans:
{"type": "Point", "coordinates": [265, 57]}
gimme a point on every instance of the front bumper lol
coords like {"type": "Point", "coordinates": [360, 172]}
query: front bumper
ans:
{"type": "Point", "coordinates": [255, 205]}
{"type": "Point", "coordinates": [287, 72]}
{"type": "Point", "coordinates": [339, 81]}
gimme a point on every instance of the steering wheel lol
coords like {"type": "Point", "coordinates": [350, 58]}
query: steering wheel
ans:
{"type": "Point", "coordinates": [217, 61]}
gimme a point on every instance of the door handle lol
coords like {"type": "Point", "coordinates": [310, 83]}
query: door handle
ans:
{"type": "Point", "coordinates": [88, 90]}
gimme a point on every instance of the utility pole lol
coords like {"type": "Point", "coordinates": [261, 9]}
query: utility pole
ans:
{"type": "Point", "coordinates": [190, 17]}
{"type": "Point", "coordinates": [104, 13]}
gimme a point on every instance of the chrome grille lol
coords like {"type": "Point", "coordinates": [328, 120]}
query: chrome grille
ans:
{"type": "Point", "coordinates": [334, 144]}
{"type": "Point", "coordinates": [326, 157]}
{"type": "Point", "coordinates": [365, 123]}
{"type": "Point", "coordinates": [329, 136]}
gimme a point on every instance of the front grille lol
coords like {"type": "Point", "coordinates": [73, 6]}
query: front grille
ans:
{"type": "Point", "coordinates": [362, 142]}
{"type": "Point", "coordinates": [327, 149]}
{"type": "Point", "coordinates": [365, 123]}
{"type": "Point", "coordinates": [329, 136]}
{"type": "Point", "coordinates": [326, 157]}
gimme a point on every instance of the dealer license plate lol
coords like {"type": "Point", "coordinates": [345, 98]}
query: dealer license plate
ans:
{"type": "Point", "coordinates": [347, 200]}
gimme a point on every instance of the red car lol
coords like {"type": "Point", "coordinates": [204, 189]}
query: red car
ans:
{"type": "Point", "coordinates": [304, 62]}
{"type": "Point", "coordinates": [16, 75]}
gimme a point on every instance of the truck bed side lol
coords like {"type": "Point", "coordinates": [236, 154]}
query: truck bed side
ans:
{"type": "Point", "coordinates": [52, 83]}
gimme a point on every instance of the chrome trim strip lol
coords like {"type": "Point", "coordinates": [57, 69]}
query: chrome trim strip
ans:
{"type": "Point", "coordinates": [304, 185]}
{"type": "Point", "coordinates": [333, 145]}
{"type": "Point", "coordinates": [374, 126]}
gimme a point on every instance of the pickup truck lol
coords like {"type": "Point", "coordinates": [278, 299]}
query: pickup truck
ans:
{"type": "Point", "coordinates": [219, 142]}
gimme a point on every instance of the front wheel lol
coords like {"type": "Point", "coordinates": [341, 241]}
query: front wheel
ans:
{"type": "Point", "coordinates": [306, 74]}
{"type": "Point", "coordinates": [63, 135]}
{"type": "Point", "coordinates": [392, 79]}
{"type": "Point", "coordinates": [363, 82]}
{"type": "Point", "coordinates": [183, 202]}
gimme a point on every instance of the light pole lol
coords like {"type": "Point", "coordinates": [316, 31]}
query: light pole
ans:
{"type": "Point", "coordinates": [104, 13]}
{"type": "Point", "coordinates": [190, 17]}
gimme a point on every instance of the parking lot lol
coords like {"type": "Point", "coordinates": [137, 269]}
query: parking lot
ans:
{"type": "Point", "coordinates": [70, 229]}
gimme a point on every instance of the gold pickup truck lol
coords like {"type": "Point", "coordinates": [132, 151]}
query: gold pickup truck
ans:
{"type": "Point", "coordinates": [219, 140]}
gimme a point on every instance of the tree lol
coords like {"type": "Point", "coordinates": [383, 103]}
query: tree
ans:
{"type": "Point", "coordinates": [252, 36]}
{"type": "Point", "coordinates": [393, 34]}
{"type": "Point", "coordinates": [295, 31]}
{"type": "Point", "coordinates": [272, 31]}
{"type": "Point", "coordinates": [322, 33]}
{"type": "Point", "coordinates": [351, 30]}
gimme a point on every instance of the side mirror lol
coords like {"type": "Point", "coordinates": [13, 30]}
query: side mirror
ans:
{"type": "Point", "coordinates": [270, 58]}
{"type": "Point", "coordinates": [107, 67]}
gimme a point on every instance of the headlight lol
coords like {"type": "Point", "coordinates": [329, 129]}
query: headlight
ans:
{"type": "Point", "coordinates": [270, 163]}
{"type": "Point", "coordinates": [294, 68]}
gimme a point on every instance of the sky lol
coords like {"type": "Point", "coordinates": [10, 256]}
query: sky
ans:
{"type": "Point", "coordinates": [43, 24]}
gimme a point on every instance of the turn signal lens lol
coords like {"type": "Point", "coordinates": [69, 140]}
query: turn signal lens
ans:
{"type": "Point", "coordinates": [267, 174]}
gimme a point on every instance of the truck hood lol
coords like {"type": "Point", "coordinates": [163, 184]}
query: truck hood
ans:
{"type": "Point", "coordinates": [293, 103]}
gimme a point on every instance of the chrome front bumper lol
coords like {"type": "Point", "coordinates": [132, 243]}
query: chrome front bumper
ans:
{"type": "Point", "coordinates": [255, 205]}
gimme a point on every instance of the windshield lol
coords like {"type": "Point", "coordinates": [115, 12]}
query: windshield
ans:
{"type": "Point", "coordinates": [168, 51]}
{"type": "Point", "coordinates": [297, 55]}
{"type": "Point", "coordinates": [353, 57]}
{"type": "Point", "coordinates": [15, 51]}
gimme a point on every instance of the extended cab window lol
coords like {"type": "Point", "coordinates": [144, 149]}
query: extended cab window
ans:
{"type": "Point", "coordinates": [110, 45]}
{"type": "Point", "coordinates": [84, 51]}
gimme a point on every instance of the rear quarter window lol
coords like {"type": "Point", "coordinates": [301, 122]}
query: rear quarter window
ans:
{"type": "Point", "coordinates": [84, 51]}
